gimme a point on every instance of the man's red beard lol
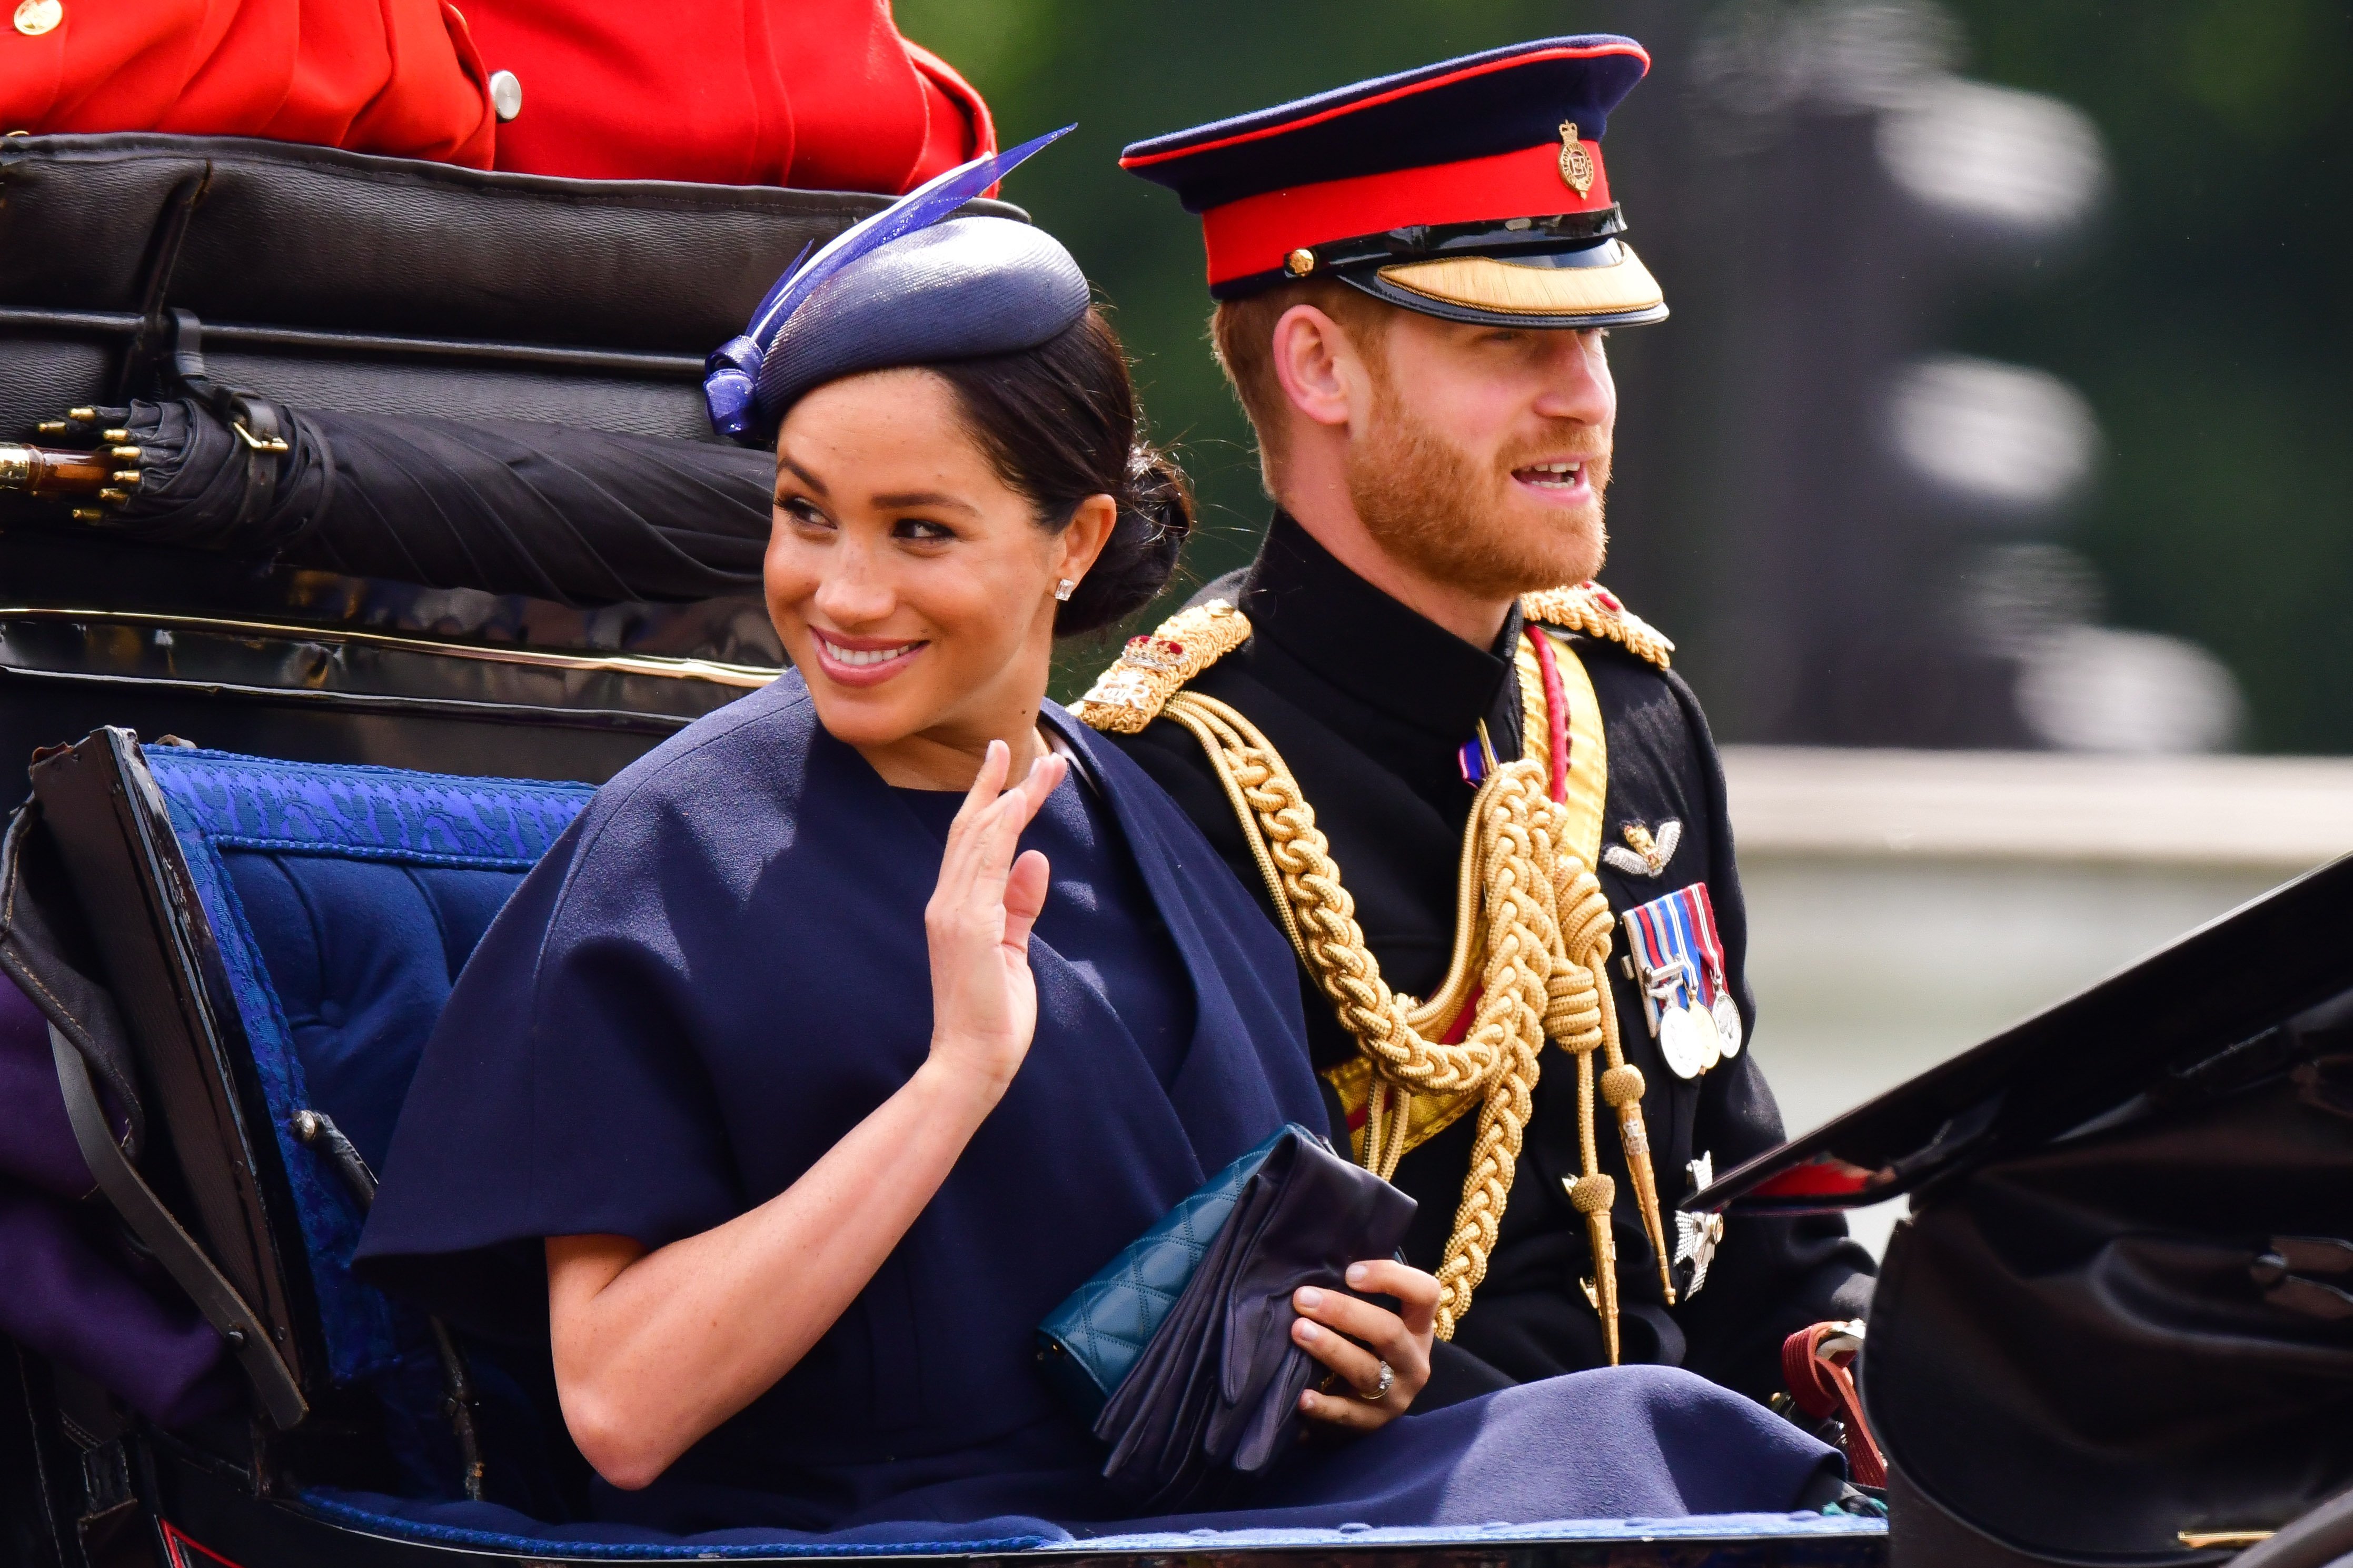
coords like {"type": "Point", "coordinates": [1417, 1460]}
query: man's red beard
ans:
{"type": "Point", "coordinates": [1455, 518]}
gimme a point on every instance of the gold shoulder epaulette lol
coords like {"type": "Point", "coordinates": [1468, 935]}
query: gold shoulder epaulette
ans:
{"type": "Point", "coordinates": [1155, 667]}
{"type": "Point", "coordinates": [1590, 609]}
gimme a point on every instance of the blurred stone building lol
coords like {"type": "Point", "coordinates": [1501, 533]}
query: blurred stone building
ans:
{"type": "Point", "coordinates": [1884, 557]}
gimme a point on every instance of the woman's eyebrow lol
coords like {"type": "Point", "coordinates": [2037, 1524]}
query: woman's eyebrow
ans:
{"type": "Point", "coordinates": [922, 497]}
{"type": "Point", "coordinates": [803, 475]}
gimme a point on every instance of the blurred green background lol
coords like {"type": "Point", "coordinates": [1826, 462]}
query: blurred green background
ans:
{"type": "Point", "coordinates": [2200, 309]}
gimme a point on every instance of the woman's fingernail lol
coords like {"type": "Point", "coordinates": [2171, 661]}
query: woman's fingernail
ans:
{"type": "Point", "coordinates": [1308, 1298]}
{"type": "Point", "coordinates": [1356, 1273]}
{"type": "Point", "coordinates": [1308, 1331]}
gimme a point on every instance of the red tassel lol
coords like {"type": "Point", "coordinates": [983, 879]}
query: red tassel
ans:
{"type": "Point", "coordinates": [1822, 1385]}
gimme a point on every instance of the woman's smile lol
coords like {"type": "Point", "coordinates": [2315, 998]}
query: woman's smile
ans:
{"type": "Point", "coordinates": [864, 661]}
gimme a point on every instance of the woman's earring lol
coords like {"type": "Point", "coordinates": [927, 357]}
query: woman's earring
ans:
{"type": "Point", "coordinates": [1065, 588]}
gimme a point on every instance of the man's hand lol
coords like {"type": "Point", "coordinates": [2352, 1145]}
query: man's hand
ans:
{"type": "Point", "coordinates": [1355, 1339]}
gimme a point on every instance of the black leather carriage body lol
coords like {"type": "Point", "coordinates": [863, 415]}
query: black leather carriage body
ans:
{"type": "Point", "coordinates": [2119, 1317]}
{"type": "Point", "coordinates": [367, 286]}
{"type": "Point", "coordinates": [382, 285]}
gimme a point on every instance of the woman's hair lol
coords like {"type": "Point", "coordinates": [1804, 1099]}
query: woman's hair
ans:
{"type": "Point", "coordinates": [1059, 423]}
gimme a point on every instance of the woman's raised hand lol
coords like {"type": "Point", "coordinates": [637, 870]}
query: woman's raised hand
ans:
{"type": "Point", "coordinates": [984, 998]}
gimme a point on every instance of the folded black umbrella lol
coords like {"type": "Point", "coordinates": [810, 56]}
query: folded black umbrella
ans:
{"type": "Point", "coordinates": [581, 517]}
{"type": "Point", "coordinates": [1215, 1396]}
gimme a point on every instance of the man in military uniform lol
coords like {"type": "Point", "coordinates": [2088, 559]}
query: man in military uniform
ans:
{"type": "Point", "coordinates": [1460, 774]}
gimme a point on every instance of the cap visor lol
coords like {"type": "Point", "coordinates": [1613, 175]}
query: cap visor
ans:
{"type": "Point", "coordinates": [1484, 288]}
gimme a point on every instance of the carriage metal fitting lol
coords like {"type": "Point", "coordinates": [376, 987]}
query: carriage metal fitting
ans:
{"type": "Point", "coordinates": [274, 444]}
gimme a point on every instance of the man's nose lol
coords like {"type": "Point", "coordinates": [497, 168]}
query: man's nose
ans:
{"type": "Point", "coordinates": [1576, 379]}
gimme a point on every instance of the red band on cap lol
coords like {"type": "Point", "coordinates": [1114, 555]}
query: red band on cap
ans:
{"type": "Point", "coordinates": [1255, 233]}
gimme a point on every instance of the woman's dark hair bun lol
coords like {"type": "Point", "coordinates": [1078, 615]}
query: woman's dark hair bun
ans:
{"type": "Point", "coordinates": [1061, 423]}
{"type": "Point", "coordinates": [1156, 517]}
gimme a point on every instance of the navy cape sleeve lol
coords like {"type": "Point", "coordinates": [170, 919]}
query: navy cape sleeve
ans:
{"type": "Point", "coordinates": [561, 1093]}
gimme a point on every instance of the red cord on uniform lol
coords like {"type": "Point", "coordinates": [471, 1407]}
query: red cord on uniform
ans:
{"type": "Point", "coordinates": [1555, 713]}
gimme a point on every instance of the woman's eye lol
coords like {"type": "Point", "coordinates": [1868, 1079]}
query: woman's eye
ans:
{"type": "Point", "coordinates": [920, 530]}
{"type": "Point", "coordinates": [804, 512]}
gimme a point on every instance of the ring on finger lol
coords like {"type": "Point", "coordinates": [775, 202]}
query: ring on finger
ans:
{"type": "Point", "coordinates": [1381, 1389]}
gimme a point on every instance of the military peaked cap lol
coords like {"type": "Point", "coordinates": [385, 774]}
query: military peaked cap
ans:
{"type": "Point", "coordinates": [1473, 189]}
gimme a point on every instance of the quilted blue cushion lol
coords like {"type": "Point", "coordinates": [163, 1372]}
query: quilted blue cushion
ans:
{"type": "Point", "coordinates": [344, 901]}
{"type": "Point", "coordinates": [361, 955]}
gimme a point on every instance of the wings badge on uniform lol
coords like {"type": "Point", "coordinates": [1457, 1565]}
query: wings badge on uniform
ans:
{"type": "Point", "coordinates": [1644, 852]}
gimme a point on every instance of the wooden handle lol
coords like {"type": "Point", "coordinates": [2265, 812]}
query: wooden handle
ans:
{"type": "Point", "coordinates": [47, 471]}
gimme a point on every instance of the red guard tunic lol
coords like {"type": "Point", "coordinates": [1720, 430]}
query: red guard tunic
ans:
{"type": "Point", "coordinates": [377, 75]}
{"type": "Point", "coordinates": [821, 94]}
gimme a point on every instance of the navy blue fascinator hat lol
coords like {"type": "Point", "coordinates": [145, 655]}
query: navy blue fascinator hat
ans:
{"type": "Point", "coordinates": [907, 285]}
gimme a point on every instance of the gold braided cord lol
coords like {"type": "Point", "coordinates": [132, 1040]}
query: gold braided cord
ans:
{"type": "Point", "coordinates": [1544, 927]}
{"type": "Point", "coordinates": [1621, 1085]}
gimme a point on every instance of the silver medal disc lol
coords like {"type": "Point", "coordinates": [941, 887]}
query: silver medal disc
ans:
{"type": "Point", "coordinates": [1704, 1031]}
{"type": "Point", "coordinates": [1680, 1043]}
{"type": "Point", "coordinates": [1727, 1025]}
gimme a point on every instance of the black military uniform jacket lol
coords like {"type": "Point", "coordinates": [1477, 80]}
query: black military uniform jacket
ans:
{"type": "Point", "coordinates": [1369, 704]}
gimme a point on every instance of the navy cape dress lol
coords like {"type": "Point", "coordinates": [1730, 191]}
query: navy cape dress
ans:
{"type": "Point", "coordinates": [721, 969]}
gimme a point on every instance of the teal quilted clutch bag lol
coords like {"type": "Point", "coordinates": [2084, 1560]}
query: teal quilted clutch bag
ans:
{"type": "Point", "coordinates": [1088, 1345]}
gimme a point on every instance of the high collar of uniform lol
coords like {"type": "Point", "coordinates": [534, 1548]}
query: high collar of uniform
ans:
{"type": "Point", "coordinates": [1390, 658]}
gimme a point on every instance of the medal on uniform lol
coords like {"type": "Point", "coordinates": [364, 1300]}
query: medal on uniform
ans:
{"type": "Point", "coordinates": [1678, 1027]}
{"type": "Point", "coordinates": [1678, 961]}
{"type": "Point", "coordinates": [1700, 915]}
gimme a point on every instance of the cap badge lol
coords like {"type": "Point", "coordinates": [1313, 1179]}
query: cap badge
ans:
{"type": "Point", "coordinates": [1576, 163]}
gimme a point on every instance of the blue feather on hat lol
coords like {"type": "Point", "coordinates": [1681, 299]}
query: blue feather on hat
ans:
{"type": "Point", "coordinates": [733, 379]}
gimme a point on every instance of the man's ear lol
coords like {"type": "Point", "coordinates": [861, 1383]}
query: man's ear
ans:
{"type": "Point", "coordinates": [1319, 367]}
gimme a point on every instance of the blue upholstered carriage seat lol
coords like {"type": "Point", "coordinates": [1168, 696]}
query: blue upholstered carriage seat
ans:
{"type": "Point", "coordinates": [344, 901]}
